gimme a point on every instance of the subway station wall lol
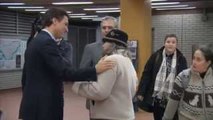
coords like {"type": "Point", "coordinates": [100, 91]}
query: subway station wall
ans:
{"type": "Point", "coordinates": [13, 25]}
{"type": "Point", "coordinates": [191, 29]}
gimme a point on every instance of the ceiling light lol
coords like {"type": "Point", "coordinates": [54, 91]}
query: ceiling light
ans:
{"type": "Point", "coordinates": [12, 3]}
{"type": "Point", "coordinates": [93, 19]}
{"type": "Point", "coordinates": [21, 7]}
{"type": "Point", "coordinates": [71, 3]}
{"type": "Point", "coordinates": [68, 12]}
{"type": "Point", "coordinates": [158, 0]}
{"type": "Point", "coordinates": [170, 6]}
{"type": "Point", "coordinates": [108, 11]}
{"type": "Point", "coordinates": [166, 3]}
{"type": "Point", "coordinates": [177, 8]}
{"type": "Point", "coordinates": [97, 19]}
{"type": "Point", "coordinates": [88, 9]}
{"type": "Point", "coordinates": [78, 14]}
{"type": "Point", "coordinates": [36, 10]}
{"type": "Point", "coordinates": [86, 16]}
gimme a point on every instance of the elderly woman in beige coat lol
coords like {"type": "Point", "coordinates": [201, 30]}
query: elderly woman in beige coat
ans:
{"type": "Point", "coordinates": [113, 92]}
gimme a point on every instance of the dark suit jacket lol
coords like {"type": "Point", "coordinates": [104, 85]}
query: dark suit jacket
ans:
{"type": "Point", "coordinates": [44, 70]}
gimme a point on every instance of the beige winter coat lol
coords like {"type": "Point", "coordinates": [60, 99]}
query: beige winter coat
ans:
{"type": "Point", "coordinates": [113, 92]}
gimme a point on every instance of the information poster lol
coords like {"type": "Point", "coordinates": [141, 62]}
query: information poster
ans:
{"type": "Point", "coordinates": [132, 44]}
{"type": "Point", "coordinates": [11, 53]}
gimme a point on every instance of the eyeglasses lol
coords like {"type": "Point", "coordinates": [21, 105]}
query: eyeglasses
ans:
{"type": "Point", "coordinates": [105, 27]}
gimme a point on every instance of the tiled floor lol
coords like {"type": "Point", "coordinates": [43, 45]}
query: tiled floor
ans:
{"type": "Point", "coordinates": [74, 106]}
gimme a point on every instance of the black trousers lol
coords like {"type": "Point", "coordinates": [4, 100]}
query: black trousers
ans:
{"type": "Point", "coordinates": [0, 114]}
{"type": "Point", "coordinates": [159, 109]}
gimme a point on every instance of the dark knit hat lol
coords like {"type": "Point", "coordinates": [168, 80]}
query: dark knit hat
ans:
{"type": "Point", "coordinates": [116, 36]}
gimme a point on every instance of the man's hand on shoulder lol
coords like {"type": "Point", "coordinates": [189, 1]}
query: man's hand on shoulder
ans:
{"type": "Point", "coordinates": [104, 64]}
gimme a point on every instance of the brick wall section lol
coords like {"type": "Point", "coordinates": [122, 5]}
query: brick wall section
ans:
{"type": "Point", "coordinates": [189, 28]}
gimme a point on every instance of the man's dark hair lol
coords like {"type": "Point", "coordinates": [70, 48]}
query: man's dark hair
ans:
{"type": "Point", "coordinates": [53, 13]}
{"type": "Point", "coordinates": [170, 35]}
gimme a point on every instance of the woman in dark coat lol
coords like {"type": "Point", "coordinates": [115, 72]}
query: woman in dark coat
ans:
{"type": "Point", "coordinates": [165, 63]}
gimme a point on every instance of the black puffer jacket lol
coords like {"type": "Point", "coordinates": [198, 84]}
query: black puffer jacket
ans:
{"type": "Point", "coordinates": [146, 86]}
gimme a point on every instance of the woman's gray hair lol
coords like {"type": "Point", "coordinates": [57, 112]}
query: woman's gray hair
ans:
{"type": "Point", "coordinates": [120, 49]}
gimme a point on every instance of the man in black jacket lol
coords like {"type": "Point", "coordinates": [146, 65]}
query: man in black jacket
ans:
{"type": "Point", "coordinates": [45, 70]}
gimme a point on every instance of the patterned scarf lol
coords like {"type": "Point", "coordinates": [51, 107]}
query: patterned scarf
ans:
{"type": "Point", "coordinates": [163, 85]}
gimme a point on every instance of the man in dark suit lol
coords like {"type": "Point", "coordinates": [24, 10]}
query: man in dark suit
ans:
{"type": "Point", "coordinates": [45, 70]}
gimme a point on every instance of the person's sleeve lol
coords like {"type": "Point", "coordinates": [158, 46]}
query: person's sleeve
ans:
{"type": "Point", "coordinates": [175, 97]}
{"type": "Point", "coordinates": [171, 109]}
{"type": "Point", "coordinates": [99, 90]}
{"type": "Point", "coordinates": [67, 51]}
{"type": "Point", "coordinates": [63, 69]}
{"type": "Point", "coordinates": [71, 52]}
{"type": "Point", "coordinates": [146, 76]}
{"type": "Point", "coordinates": [184, 63]}
{"type": "Point", "coordinates": [86, 60]}
{"type": "Point", "coordinates": [23, 79]}
{"type": "Point", "coordinates": [134, 86]}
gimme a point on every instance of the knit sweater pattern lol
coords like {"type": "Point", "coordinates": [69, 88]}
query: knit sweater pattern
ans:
{"type": "Point", "coordinates": [194, 95]}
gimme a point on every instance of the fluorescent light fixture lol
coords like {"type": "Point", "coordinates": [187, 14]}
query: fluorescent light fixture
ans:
{"type": "Point", "coordinates": [93, 19]}
{"type": "Point", "coordinates": [71, 3]}
{"type": "Point", "coordinates": [42, 12]}
{"type": "Point", "coordinates": [158, 0]}
{"type": "Point", "coordinates": [97, 19]}
{"type": "Point", "coordinates": [25, 7]}
{"type": "Point", "coordinates": [90, 9]}
{"type": "Point", "coordinates": [170, 6]}
{"type": "Point", "coordinates": [36, 10]}
{"type": "Point", "coordinates": [166, 3]}
{"type": "Point", "coordinates": [108, 11]}
{"type": "Point", "coordinates": [68, 12]}
{"type": "Point", "coordinates": [77, 14]}
{"type": "Point", "coordinates": [12, 3]}
{"type": "Point", "coordinates": [185, 8]}
{"type": "Point", "coordinates": [86, 16]}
